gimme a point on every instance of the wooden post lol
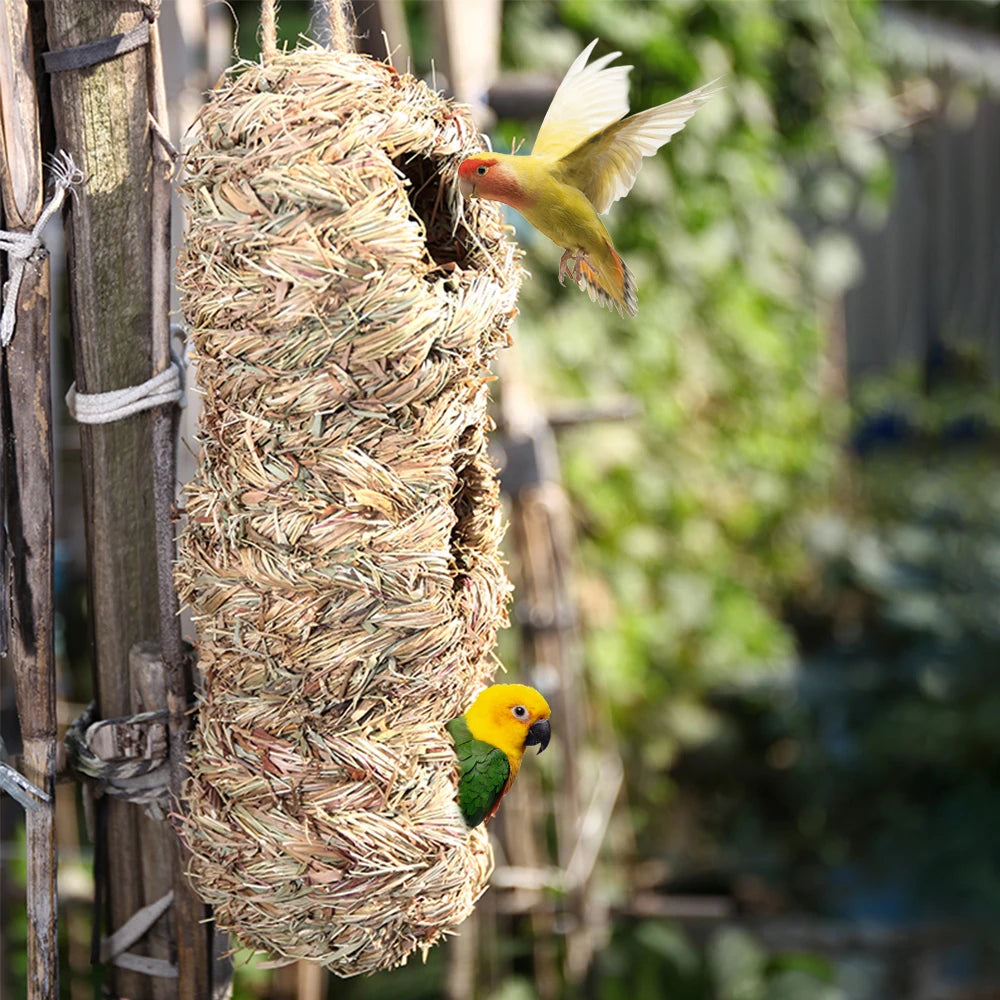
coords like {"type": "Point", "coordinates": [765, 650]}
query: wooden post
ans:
{"type": "Point", "coordinates": [382, 23]}
{"type": "Point", "coordinates": [102, 119]}
{"type": "Point", "coordinates": [468, 52]}
{"type": "Point", "coordinates": [27, 393]}
{"type": "Point", "coordinates": [545, 609]}
{"type": "Point", "coordinates": [461, 977]}
{"type": "Point", "coordinates": [27, 420]}
{"type": "Point", "coordinates": [148, 694]}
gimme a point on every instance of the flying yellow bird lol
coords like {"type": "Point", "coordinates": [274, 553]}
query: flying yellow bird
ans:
{"type": "Point", "coordinates": [586, 156]}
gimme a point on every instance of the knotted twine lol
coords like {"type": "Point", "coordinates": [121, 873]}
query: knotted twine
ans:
{"type": "Point", "coordinates": [20, 247]}
{"type": "Point", "coordinates": [117, 404]}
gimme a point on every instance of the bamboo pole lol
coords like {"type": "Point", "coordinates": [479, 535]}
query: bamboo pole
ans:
{"type": "Point", "coordinates": [380, 27]}
{"type": "Point", "coordinates": [28, 494]}
{"type": "Point", "coordinates": [102, 119]}
{"type": "Point", "coordinates": [21, 180]}
{"type": "Point", "coordinates": [468, 50]}
{"type": "Point", "coordinates": [545, 608]}
{"type": "Point", "coordinates": [27, 393]}
{"type": "Point", "coordinates": [29, 519]}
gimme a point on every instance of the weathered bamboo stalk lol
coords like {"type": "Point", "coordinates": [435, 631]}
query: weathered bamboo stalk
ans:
{"type": "Point", "coordinates": [29, 520]}
{"type": "Point", "coordinates": [461, 977]}
{"type": "Point", "coordinates": [28, 492]}
{"type": "Point", "coordinates": [21, 181]}
{"type": "Point", "coordinates": [101, 116]}
{"type": "Point", "coordinates": [381, 30]}
{"type": "Point", "coordinates": [545, 608]}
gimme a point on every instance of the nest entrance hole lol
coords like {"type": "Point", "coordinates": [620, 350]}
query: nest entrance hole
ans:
{"type": "Point", "coordinates": [434, 205]}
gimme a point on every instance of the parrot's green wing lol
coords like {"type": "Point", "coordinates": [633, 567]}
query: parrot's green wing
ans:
{"type": "Point", "coordinates": [484, 772]}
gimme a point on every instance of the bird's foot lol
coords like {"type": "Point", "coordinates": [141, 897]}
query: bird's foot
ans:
{"type": "Point", "coordinates": [564, 265]}
{"type": "Point", "coordinates": [577, 270]}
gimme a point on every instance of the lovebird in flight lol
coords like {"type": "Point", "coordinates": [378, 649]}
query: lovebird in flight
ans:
{"type": "Point", "coordinates": [490, 739]}
{"type": "Point", "coordinates": [586, 156]}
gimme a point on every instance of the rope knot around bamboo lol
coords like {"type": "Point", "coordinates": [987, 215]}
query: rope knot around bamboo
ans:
{"type": "Point", "coordinates": [340, 553]}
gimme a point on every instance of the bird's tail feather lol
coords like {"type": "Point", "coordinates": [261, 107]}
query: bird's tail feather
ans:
{"type": "Point", "coordinates": [612, 285]}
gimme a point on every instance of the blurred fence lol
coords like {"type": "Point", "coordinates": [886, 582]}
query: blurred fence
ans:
{"type": "Point", "coordinates": [931, 273]}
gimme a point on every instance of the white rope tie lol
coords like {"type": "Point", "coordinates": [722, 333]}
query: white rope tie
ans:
{"type": "Point", "coordinates": [106, 407]}
{"type": "Point", "coordinates": [19, 247]}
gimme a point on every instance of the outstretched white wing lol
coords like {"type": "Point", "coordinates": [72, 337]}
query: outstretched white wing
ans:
{"type": "Point", "coordinates": [605, 167]}
{"type": "Point", "coordinates": [588, 99]}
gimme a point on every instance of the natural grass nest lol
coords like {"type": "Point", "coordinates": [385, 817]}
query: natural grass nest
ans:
{"type": "Point", "coordinates": [340, 554]}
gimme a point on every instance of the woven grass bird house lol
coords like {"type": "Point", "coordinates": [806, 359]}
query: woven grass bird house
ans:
{"type": "Point", "coordinates": [340, 554]}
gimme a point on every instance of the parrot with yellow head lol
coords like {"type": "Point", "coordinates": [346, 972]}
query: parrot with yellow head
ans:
{"type": "Point", "coordinates": [490, 740]}
{"type": "Point", "coordinates": [586, 156]}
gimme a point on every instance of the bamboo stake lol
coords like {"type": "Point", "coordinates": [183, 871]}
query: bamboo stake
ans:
{"type": "Point", "coordinates": [21, 181]}
{"type": "Point", "coordinates": [541, 535]}
{"type": "Point", "coordinates": [29, 517]}
{"type": "Point", "coordinates": [468, 52]}
{"type": "Point", "coordinates": [102, 120]}
{"type": "Point", "coordinates": [460, 970]}
{"type": "Point", "coordinates": [311, 981]}
{"type": "Point", "coordinates": [381, 31]}
{"type": "Point", "coordinates": [27, 405]}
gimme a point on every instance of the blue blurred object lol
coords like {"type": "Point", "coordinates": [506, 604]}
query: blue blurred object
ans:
{"type": "Point", "coordinates": [970, 429]}
{"type": "Point", "coordinates": [880, 429]}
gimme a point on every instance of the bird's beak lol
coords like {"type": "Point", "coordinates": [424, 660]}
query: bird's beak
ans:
{"type": "Point", "coordinates": [467, 188]}
{"type": "Point", "coordinates": [539, 733]}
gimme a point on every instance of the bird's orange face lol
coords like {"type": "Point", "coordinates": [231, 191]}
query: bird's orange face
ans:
{"type": "Point", "coordinates": [474, 173]}
{"type": "Point", "coordinates": [491, 177]}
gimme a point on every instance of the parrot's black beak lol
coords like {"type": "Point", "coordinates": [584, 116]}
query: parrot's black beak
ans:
{"type": "Point", "coordinates": [539, 733]}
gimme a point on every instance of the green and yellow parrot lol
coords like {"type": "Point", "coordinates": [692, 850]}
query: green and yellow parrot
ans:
{"type": "Point", "coordinates": [490, 739]}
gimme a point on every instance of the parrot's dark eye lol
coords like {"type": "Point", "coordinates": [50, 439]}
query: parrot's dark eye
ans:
{"type": "Point", "coordinates": [481, 169]}
{"type": "Point", "coordinates": [520, 712]}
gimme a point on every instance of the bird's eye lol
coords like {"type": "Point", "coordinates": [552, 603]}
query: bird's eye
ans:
{"type": "Point", "coordinates": [520, 712]}
{"type": "Point", "coordinates": [481, 169]}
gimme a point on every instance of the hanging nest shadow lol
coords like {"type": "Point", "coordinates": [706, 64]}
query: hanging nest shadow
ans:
{"type": "Point", "coordinates": [340, 551]}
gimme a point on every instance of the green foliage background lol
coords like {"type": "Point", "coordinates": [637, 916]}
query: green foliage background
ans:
{"type": "Point", "coordinates": [691, 515]}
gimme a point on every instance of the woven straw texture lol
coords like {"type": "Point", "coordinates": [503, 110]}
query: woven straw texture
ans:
{"type": "Point", "coordinates": [340, 553]}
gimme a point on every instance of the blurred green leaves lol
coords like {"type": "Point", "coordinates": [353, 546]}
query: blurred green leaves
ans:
{"type": "Point", "coordinates": [865, 783]}
{"type": "Point", "coordinates": [692, 514]}
{"type": "Point", "coordinates": [657, 959]}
